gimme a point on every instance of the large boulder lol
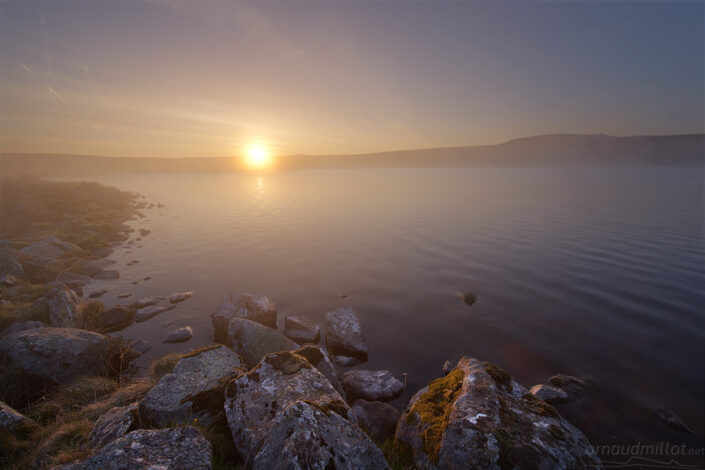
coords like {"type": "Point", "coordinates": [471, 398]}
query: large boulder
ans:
{"type": "Point", "coordinates": [168, 403]}
{"type": "Point", "coordinates": [279, 380]}
{"type": "Point", "coordinates": [252, 340]}
{"type": "Point", "coordinates": [11, 419]}
{"type": "Point", "coordinates": [302, 329]}
{"type": "Point", "coordinates": [50, 249]}
{"type": "Point", "coordinates": [320, 360]}
{"type": "Point", "coordinates": [113, 424]}
{"type": "Point", "coordinates": [344, 336]}
{"type": "Point", "coordinates": [258, 308]}
{"type": "Point", "coordinates": [21, 326]}
{"type": "Point", "coordinates": [371, 385]}
{"type": "Point", "coordinates": [55, 355]}
{"type": "Point", "coordinates": [179, 448]}
{"type": "Point", "coordinates": [479, 417]}
{"type": "Point", "coordinates": [9, 266]}
{"type": "Point", "coordinates": [377, 418]}
{"type": "Point", "coordinates": [305, 436]}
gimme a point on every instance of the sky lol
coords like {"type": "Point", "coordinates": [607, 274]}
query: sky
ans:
{"type": "Point", "coordinates": [192, 79]}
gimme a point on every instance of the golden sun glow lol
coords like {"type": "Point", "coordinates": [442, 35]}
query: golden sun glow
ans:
{"type": "Point", "coordinates": [257, 157]}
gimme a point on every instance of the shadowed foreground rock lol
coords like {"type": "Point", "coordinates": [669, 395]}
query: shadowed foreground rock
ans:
{"type": "Point", "coordinates": [344, 335]}
{"type": "Point", "coordinates": [113, 424]}
{"type": "Point", "coordinates": [252, 340]}
{"type": "Point", "coordinates": [478, 417]}
{"type": "Point", "coordinates": [11, 418]}
{"type": "Point", "coordinates": [320, 360]}
{"type": "Point", "coordinates": [55, 355]}
{"type": "Point", "coordinates": [176, 448]}
{"type": "Point", "coordinates": [377, 418]}
{"type": "Point", "coordinates": [167, 404]}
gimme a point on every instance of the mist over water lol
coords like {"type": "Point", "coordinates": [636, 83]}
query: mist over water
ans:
{"type": "Point", "coordinates": [598, 271]}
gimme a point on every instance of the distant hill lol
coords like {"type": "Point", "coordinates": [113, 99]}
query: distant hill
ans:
{"type": "Point", "coordinates": [543, 150]}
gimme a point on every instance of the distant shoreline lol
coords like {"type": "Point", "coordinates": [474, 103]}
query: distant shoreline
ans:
{"type": "Point", "coordinates": [538, 151]}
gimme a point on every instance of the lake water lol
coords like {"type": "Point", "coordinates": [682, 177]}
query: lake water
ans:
{"type": "Point", "coordinates": [591, 271]}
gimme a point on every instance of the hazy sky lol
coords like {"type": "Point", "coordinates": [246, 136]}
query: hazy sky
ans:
{"type": "Point", "coordinates": [191, 78]}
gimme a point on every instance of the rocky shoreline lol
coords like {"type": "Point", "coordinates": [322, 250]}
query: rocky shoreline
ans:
{"type": "Point", "coordinates": [256, 398]}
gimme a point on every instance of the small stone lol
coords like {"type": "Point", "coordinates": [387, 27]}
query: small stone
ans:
{"type": "Point", "coordinates": [124, 296]}
{"type": "Point", "coordinates": [97, 293]}
{"type": "Point", "coordinates": [148, 301]}
{"type": "Point", "coordinates": [180, 335]}
{"type": "Point", "coordinates": [371, 385]}
{"type": "Point", "coordinates": [549, 393]}
{"type": "Point", "coordinates": [672, 420]}
{"type": "Point", "coordinates": [144, 232]}
{"type": "Point", "coordinates": [148, 312]}
{"type": "Point", "coordinates": [302, 329]}
{"type": "Point", "coordinates": [469, 298]}
{"type": "Point", "coordinates": [179, 297]}
{"type": "Point", "coordinates": [141, 346]}
{"type": "Point", "coordinates": [107, 275]}
{"type": "Point", "coordinates": [447, 367]}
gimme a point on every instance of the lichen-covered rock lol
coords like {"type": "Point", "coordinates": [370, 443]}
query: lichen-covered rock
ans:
{"type": "Point", "coordinates": [252, 340]}
{"type": "Point", "coordinates": [21, 326]}
{"type": "Point", "coordinates": [177, 297]}
{"type": "Point", "coordinates": [113, 424]}
{"type": "Point", "coordinates": [549, 393]}
{"type": "Point", "coordinates": [179, 335]}
{"type": "Point", "coordinates": [146, 313]}
{"type": "Point", "coordinates": [305, 436]}
{"type": "Point", "coordinates": [320, 360]}
{"type": "Point", "coordinates": [344, 334]}
{"type": "Point", "coordinates": [479, 417]}
{"type": "Point", "coordinates": [64, 305]}
{"type": "Point", "coordinates": [10, 418]}
{"type": "Point", "coordinates": [255, 398]}
{"type": "Point", "coordinates": [55, 355]}
{"type": "Point", "coordinates": [371, 385]}
{"type": "Point", "coordinates": [179, 448]}
{"type": "Point", "coordinates": [167, 404]}
{"type": "Point", "coordinates": [302, 329]}
{"type": "Point", "coordinates": [377, 418]}
{"type": "Point", "coordinates": [257, 308]}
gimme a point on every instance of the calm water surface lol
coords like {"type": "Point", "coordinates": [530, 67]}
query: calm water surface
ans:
{"type": "Point", "coordinates": [591, 271]}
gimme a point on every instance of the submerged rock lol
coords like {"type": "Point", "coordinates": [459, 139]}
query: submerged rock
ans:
{"type": "Point", "coordinates": [305, 436]}
{"type": "Point", "coordinates": [344, 335]}
{"type": "Point", "coordinates": [447, 367]}
{"type": "Point", "coordinates": [302, 329]}
{"type": "Point", "coordinates": [252, 340]}
{"type": "Point", "coordinates": [22, 326]}
{"type": "Point", "coordinates": [549, 393]}
{"type": "Point", "coordinates": [574, 387]}
{"type": "Point", "coordinates": [113, 424]}
{"type": "Point", "coordinates": [371, 385]}
{"type": "Point", "coordinates": [177, 297]}
{"type": "Point", "coordinates": [469, 298]}
{"type": "Point", "coordinates": [184, 447]}
{"type": "Point", "coordinates": [257, 308]}
{"type": "Point", "coordinates": [97, 293]}
{"type": "Point", "coordinates": [254, 399]}
{"type": "Point", "coordinates": [55, 355]}
{"type": "Point", "coordinates": [377, 418]}
{"type": "Point", "coordinates": [179, 335]}
{"type": "Point", "coordinates": [148, 301]}
{"type": "Point", "coordinates": [108, 275]}
{"type": "Point", "coordinates": [11, 419]}
{"type": "Point", "coordinates": [167, 402]}
{"type": "Point", "coordinates": [148, 312]}
{"type": "Point", "coordinates": [479, 417]}
{"type": "Point", "coordinates": [672, 420]}
{"type": "Point", "coordinates": [140, 346]}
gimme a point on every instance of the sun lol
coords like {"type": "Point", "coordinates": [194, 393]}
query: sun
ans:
{"type": "Point", "coordinates": [257, 157]}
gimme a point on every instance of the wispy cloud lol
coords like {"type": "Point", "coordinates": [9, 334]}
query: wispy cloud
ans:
{"type": "Point", "coordinates": [54, 94]}
{"type": "Point", "coordinates": [26, 68]}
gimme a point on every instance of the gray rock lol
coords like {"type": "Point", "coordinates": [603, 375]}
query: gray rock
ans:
{"type": "Point", "coordinates": [672, 420]}
{"type": "Point", "coordinates": [107, 275]}
{"type": "Point", "coordinates": [168, 403]}
{"type": "Point", "coordinates": [73, 280]}
{"type": "Point", "coordinates": [344, 334]}
{"type": "Point", "coordinates": [252, 307]}
{"type": "Point", "coordinates": [179, 335]}
{"type": "Point", "coordinates": [9, 264]}
{"type": "Point", "coordinates": [346, 361]}
{"type": "Point", "coordinates": [488, 421]}
{"type": "Point", "coordinates": [148, 301]}
{"type": "Point", "coordinates": [48, 250]}
{"type": "Point", "coordinates": [124, 296]}
{"type": "Point", "coordinates": [377, 418]}
{"type": "Point", "coordinates": [305, 436]}
{"type": "Point", "coordinates": [574, 387]}
{"type": "Point", "coordinates": [320, 360]}
{"type": "Point", "coordinates": [94, 266]}
{"type": "Point", "coordinates": [252, 340]}
{"type": "Point", "coordinates": [148, 312]}
{"type": "Point", "coordinates": [10, 418]}
{"type": "Point", "coordinates": [549, 393]}
{"type": "Point", "coordinates": [114, 319]}
{"type": "Point", "coordinates": [64, 305]}
{"type": "Point", "coordinates": [55, 355]}
{"type": "Point", "coordinates": [179, 448]}
{"type": "Point", "coordinates": [278, 381]}
{"type": "Point", "coordinates": [22, 326]}
{"type": "Point", "coordinates": [302, 329]}
{"type": "Point", "coordinates": [97, 293]}
{"type": "Point", "coordinates": [371, 385]}
{"type": "Point", "coordinates": [177, 297]}
{"type": "Point", "coordinates": [140, 346]}
{"type": "Point", "coordinates": [113, 424]}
